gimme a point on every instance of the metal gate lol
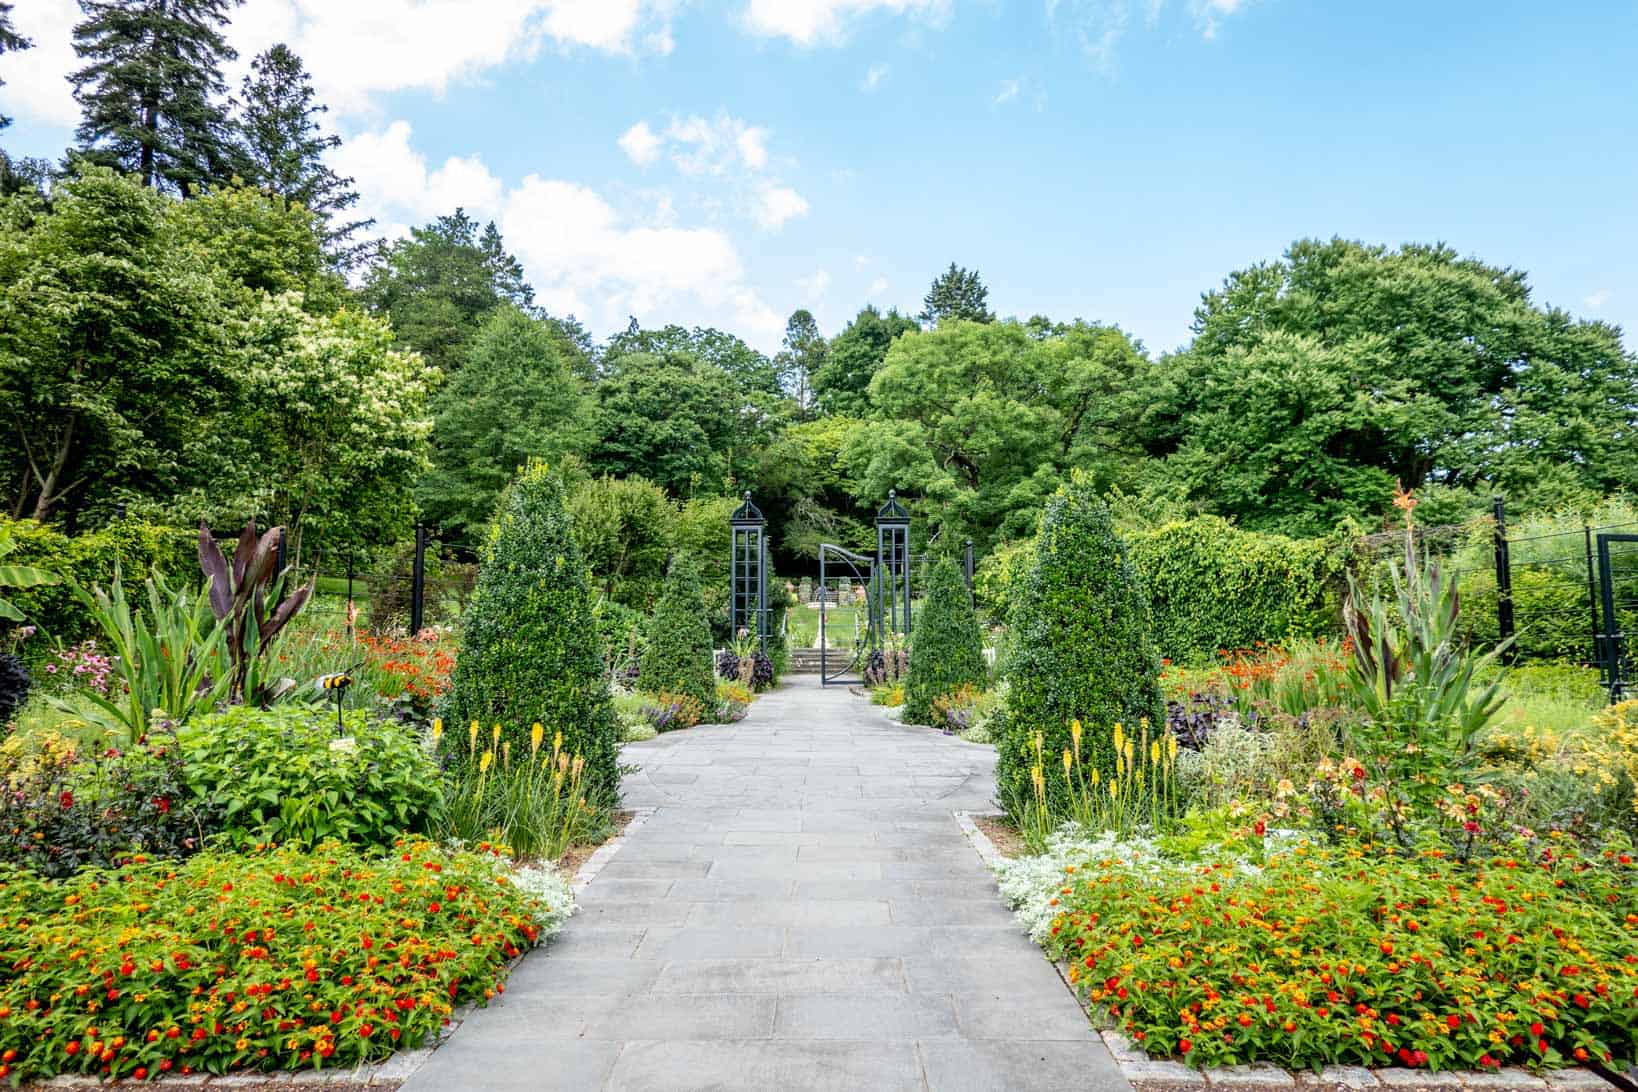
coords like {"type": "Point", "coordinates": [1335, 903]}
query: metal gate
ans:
{"type": "Point", "coordinates": [1618, 598]}
{"type": "Point", "coordinates": [843, 592]}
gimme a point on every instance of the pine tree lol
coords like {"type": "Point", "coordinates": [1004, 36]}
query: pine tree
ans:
{"type": "Point", "coordinates": [283, 148]}
{"type": "Point", "coordinates": [956, 293]}
{"type": "Point", "coordinates": [802, 357]}
{"type": "Point", "coordinates": [947, 649]}
{"type": "Point", "coordinates": [10, 42]}
{"type": "Point", "coordinates": [678, 660]}
{"type": "Point", "coordinates": [151, 87]}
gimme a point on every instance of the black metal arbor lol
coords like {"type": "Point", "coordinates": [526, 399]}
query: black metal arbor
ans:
{"type": "Point", "coordinates": [886, 578]}
{"type": "Point", "coordinates": [748, 605]}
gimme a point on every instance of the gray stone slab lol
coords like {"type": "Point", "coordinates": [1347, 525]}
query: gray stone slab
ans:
{"type": "Point", "coordinates": [1000, 1016]}
{"type": "Point", "coordinates": [708, 942]}
{"type": "Point", "coordinates": [829, 912]}
{"type": "Point", "coordinates": [854, 942]}
{"type": "Point", "coordinates": [582, 941]}
{"type": "Point", "coordinates": [866, 1016]}
{"type": "Point", "coordinates": [780, 976]}
{"type": "Point", "coordinates": [701, 1016]}
{"type": "Point", "coordinates": [961, 1065]}
{"type": "Point", "coordinates": [763, 1065]}
{"type": "Point", "coordinates": [473, 1060]}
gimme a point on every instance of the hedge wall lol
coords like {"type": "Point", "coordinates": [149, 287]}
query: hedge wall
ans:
{"type": "Point", "coordinates": [88, 559]}
{"type": "Point", "coordinates": [1213, 586]}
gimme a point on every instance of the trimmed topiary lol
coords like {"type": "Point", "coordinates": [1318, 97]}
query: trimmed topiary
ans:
{"type": "Point", "coordinates": [678, 660]}
{"type": "Point", "coordinates": [1082, 649]}
{"type": "Point", "coordinates": [529, 646]}
{"type": "Point", "coordinates": [948, 648]}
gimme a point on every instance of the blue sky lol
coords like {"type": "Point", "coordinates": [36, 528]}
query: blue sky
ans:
{"type": "Point", "coordinates": [725, 163]}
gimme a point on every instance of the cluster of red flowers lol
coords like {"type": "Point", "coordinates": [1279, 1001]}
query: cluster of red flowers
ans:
{"type": "Point", "coordinates": [278, 960]}
{"type": "Point", "coordinates": [1334, 957]}
{"type": "Point", "coordinates": [419, 666]}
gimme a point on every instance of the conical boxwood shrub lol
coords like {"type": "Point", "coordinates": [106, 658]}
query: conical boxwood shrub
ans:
{"type": "Point", "coordinates": [1082, 649]}
{"type": "Point", "coordinates": [529, 645]}
{"type": "Point", "coordinates": [946, 647]}
{"type": "Point", "coordinates": [678, 660]}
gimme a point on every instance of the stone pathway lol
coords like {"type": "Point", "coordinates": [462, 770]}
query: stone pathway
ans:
{"type": "Point", "coordinates": [801, 911]}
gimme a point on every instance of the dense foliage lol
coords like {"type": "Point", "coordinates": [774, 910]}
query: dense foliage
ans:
{"type": "Point", "coordinates": [528, 649]}
{"type": "Point", "coordinates": [678, 659]}
{"type": "Point", "coordinates": [281, 959]}
{"type": "Point", "coordinates": [1082, 650]}
{"type": "Point", "coordinates": [948, 648]}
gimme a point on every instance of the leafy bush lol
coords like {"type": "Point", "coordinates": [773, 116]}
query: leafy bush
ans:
{"type": "Point", "coordinates": [278, 960]}
{"type": "Point", "coordinates": [1326, 956]}
{"type": "Point", "coordinates": [284, 775]}
{"type": "Point", "coordinates": [666, 712]}
{"type": "Point", "coordinates": [949, 647]}
{"type": "Point", "coordinates": [1083, 650]}
{"type": "Point", "coordinates": [679, 658]}
{"type": "Point", "coordinates": [529, 647]}
{"type": "Point", "coordinates": [623, 633]}
{"type": "Point", "coordinates": [248, 597]}
{"type": "Point", "coordinates": [624, 528]}
{"type": "Point", "coordinates": [532, 804]}
{"type": "Point", "coordinates": [1212, 585]}
{"type": "Point", "coordinates": [62, 810]}
{"type": "Point", "coordinates": [141, 549]}
{"type": "Point", "coordinates": [733, 702]}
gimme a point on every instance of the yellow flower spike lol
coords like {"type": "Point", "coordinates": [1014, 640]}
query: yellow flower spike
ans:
{"type": "Point", "coordinates": [557, 740]}
{"type": "Point", "coordinates": [437, 730]}
{"type": "Point", "coordinates": [1113, 792]}
{"type": "Point", "coordinates": [495, 735]}
{"type": "Point", "coordinates": [1154, 753]}
{"type": "Point", "coordinates": [1096, 777]}
{"type": "Point", "coordinates": [472, 736]}
{"type": "Point", "coordinates": [1075, 735]}
{"type": "Point", "coordinates": [1120, 736]}
{"type": "Point", "coordinates": [1069, 760]}
{"type": "Point", "coordinates": [1171, 746]}
{"type": "Point", "coordinates": [536, 734]}
{"type": "Point", "coordinates": [486, 761]}
{"type": "Point", "coordinates": [1129, 750]}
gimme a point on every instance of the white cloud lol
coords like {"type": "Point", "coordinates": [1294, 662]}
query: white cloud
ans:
{"type": "Point", "coordinates": [1598, 299]}
{"type": "Point", "coordinates": [1009, 91]}
{"type": "Point", "coordinates": [1099, 25]}
{"type": "Point", "coordinates": [36, 87]}
{"type": "Point", "coordinates": [873, 78]}
{"type": "Point", "coordinates": [358, 49]}
{"type": "Point", "coordinates": [878, 288]}
{"type": "Point", "coordinates": [641, 144]}
{"type": "Point", "coordinates": [777, 203]}
{"type": "Point", "coordinates": [397, 187]}
{"type": "Point", "coordinates": [813, 286]}
{"type": "Point", "coordinates": [816, 22]}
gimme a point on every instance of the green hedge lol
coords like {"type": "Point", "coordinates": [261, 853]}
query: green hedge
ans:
{"type": "Point", "coordinates": [530, 649]}
{"type": "Point", "coordinates": [678, 659]}
{"type": "Point", "coordinates": [1082, 648]}
{"type": "Point", "coordinates": [139, 548]}
{"type": "Point", "coordinates": [1213, 586]}
{"type": "Point", "coordinates": [946, 648]}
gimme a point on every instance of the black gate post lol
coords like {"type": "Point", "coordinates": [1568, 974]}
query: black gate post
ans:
{"type": "Point", "coordinates": [1592, 595]}
{"type": "Point", "coordinates": [967, 562]}
{"type": "Point", "coordinates": [748, 596]}
{"type": "Point", "coordinates": [893, 561]}
{"type": "Point", "coordinates": [418, 581]}
{"type": "Point", "coordinates": [1504, 580]}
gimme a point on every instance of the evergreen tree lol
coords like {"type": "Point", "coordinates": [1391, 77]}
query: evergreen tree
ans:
{"type": "Point", "coordinates": [150, 89]}
{"type": "Point", "coordinates": [283, 148]}
{"type": "Point", "coordinates": [678, 659]}
{"type": "Point", "coordinates": [957, 293]}
{"type": "Point", "coordinates": [1082, 650]}
{"type": "Point", "coordinates": [437, 285]}
{"type": "Point", "coordinates": [802, 357]}
{"type": "Point", "coordinates": [947, 649]}
{"type": "Point", "coordinates": [10, 42]}
{"type": "Point", "coordinates": [529, 645]}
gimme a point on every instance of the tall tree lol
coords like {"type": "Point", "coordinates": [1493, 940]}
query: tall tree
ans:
{"type": "Point", "coordinates": [150, 91]}
{"type": "Point", "coordinates": [516, 397]}
{"type": "Point", "coordinates": [957, 293]}
{"type": "Point", "coordinates": [801, 358]}
{"type": "Point", "coordinates": [10, 42]}
{"type": "Point", "coordinates": [283, 148]}
{"type": "Point", "coordinates": [671, 419]}
{"type": "Point", "coordinates": [437, 285]}
{"type": "Point", "coordinates": [841, 384]}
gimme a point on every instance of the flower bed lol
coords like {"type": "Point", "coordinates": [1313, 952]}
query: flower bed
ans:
{"type": "Point", "coordinates": [275, 960]}
{"type": "Point", "coordinates": [1338, 956]}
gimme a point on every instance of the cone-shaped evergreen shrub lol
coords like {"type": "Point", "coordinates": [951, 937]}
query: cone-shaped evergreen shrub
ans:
{"type": "Point", "coordinates": [529, 646]}
{"type": "Point", "coordinates": [946, 648]}
{"type": "Point", "coordinates": [678, 660]}
{"type": "Point", "coordinates": [1081, 649]}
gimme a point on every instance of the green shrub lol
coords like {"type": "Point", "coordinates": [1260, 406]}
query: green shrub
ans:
{"type": "Point", "coordinates": [283, 775]}
{"type": "Point", "coordinates": [1082, 649]}
{"type": "Point", "coordinates": [624, 528]}
{"type": "Point", "coordinates": [997, 575]}
{"type": "Point", "coordinates": [947, 650]}
{"type": "Point", "coordinates": [529, 647]}
{"type": "Point", "coordinates": [678, 659]}
{"type": "Point", "coordinates": [139, 548]}
{"type": "Point", "coordinates": [280, 960]}
{"type": "Point", "coordinates": [1213, 586]}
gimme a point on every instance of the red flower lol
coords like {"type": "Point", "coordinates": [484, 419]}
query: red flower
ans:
{"type": "Point", "coordinates": [66, 799]}
{"type": "Point", "coordinates": [1184, 1046]}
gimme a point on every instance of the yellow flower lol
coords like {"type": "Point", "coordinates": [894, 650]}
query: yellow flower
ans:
{"type": "Point", "coordinates": [1171, 746]}
{"type": "Point", "coordinates": [486, 761]}
{"type": "Point", "coordinates": [506, 754]}
{"type": "Point", "coordinates": [495, 735]}
{"type": "Point", "coordinates": [1120, 737]}
{"type": "Point", "coordinates": [1096, 777]}
{"type": "Point", "coordinates": [472, 736]}
{"type": "Point", "coordinates": [1113, 792]}
{"type": "Point", "coordinates": [1069, 760]}
{"type": "Point", "coordinates": [437, 729]}
{"type": "Point", "coordinates": [536, 734]}
{"type": "Point", "coordinates": [1154, 752]}
{"type": "Point", "coordinates": [557, 740]}
{"type": "Point", "coordinates": [1075, 734]}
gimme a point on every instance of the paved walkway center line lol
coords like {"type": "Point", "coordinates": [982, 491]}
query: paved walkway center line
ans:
{"type": "Point", "coordinates": [800, 911]}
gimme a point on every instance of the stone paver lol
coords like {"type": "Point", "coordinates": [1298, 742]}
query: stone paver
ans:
{"type": "Point", "coordinates": [801, 911]}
